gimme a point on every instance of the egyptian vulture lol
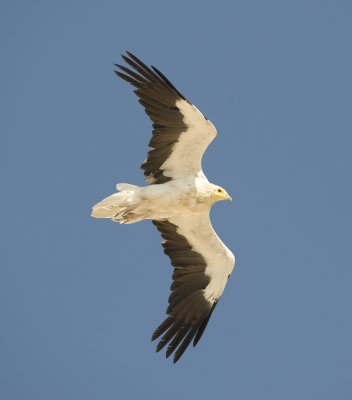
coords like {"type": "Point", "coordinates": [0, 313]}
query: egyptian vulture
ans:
{"type": "Point", "coordinates": [177, 200]}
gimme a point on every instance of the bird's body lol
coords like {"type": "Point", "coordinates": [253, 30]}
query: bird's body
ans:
{"type": "Point", "coordinates": [189, 196]}
{"type": "Point", "coordinates": [178, 200]}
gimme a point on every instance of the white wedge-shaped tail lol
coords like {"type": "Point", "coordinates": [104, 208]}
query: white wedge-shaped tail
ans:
{"type": "Point", "coordinates": [119, 206]}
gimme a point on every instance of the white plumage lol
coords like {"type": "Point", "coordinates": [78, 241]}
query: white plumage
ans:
{"type": "Point", "coordinates": [178, 201]}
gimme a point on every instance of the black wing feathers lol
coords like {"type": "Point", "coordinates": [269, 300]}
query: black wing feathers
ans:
{"type": "Point", "coordinates": [158, 96]}
{"type": "Point", "coordinates": [188, 310]}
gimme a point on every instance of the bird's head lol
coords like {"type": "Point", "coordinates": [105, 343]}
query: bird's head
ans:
{"type": "Point", "coordinates": [219, 193]}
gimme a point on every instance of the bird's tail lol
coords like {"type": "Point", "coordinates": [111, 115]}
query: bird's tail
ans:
{"type": "Point", "coordinates": [119, 206]}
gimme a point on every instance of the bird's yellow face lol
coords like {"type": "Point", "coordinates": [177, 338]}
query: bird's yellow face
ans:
{"type": "Point", "coordinates": [220, 193]}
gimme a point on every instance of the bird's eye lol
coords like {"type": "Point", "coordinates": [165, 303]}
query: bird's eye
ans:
{"type": "Point", "coordinates": [219, 190]}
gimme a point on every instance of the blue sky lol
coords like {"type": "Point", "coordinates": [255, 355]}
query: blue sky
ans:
{"type": "Point", "coordinates": [79, 298]}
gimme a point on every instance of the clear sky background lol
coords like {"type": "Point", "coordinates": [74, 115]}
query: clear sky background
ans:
{"type": "Point", "coordinates": [79, 297]}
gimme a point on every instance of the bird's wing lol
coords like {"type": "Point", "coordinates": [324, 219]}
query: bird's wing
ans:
{"type": "Point", "coordinates": [181, 133]}
{"type": "Point", "coordinates": [202, 265]}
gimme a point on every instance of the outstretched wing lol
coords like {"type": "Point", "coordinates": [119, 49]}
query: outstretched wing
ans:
{"type": "Point", "coordinates": [181, 133]}
{"type": "Point", "coordinates": [202, 265]}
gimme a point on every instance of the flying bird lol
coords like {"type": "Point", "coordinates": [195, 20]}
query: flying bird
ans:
{"type": "Point", "coordinates": [177, 200]}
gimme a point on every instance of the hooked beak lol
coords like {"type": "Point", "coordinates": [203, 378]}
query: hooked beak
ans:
{"type": "Point", "coordinates": [229, 198]}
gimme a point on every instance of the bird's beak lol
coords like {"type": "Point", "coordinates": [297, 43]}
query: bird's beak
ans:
{"type": "Point", "coordinates": [229, 198]}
